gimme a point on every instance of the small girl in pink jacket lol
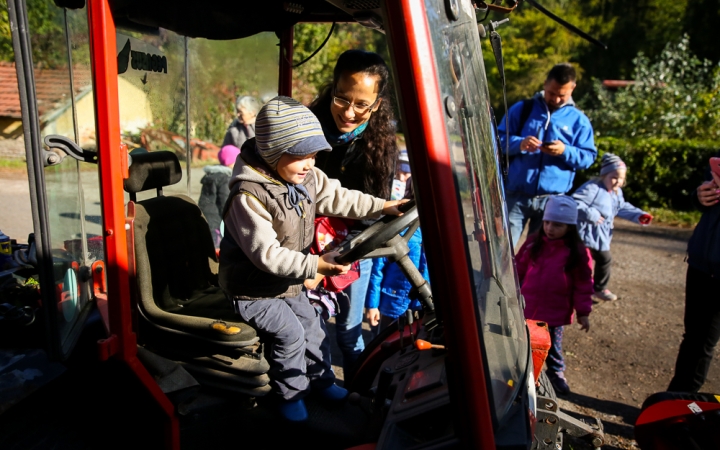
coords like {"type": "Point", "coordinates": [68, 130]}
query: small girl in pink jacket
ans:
{"type": "Point", "coordinates": [555, 273]}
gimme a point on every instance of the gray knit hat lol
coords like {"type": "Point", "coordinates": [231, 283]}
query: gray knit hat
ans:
{"type": "Point", "coordinates": [561, 208]}
{"type": "Point", "coordinates": [284, 125]}
{"type": "Point", "coordinates": [610, 163]}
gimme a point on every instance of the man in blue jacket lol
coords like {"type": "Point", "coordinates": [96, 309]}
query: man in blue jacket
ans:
{"type": "Point", "coordinates": [550, 139]}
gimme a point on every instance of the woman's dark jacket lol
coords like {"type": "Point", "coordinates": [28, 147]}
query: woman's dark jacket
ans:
{"type": "Point", "coordinates": [704, 246]}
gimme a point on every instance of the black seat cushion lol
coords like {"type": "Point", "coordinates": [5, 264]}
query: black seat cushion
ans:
{"type": "Point", "coordinates": [177, 272]}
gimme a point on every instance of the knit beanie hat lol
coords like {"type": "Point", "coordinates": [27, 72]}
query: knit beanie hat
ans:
{"type": "Point", "coordinates": [284, 125]}
{"type": "Point", "coordinates": [228, 154]}
{"type": "Point", "coordinates": [562, 209]}
{"type": "Point", "coordinates": [610, 163]}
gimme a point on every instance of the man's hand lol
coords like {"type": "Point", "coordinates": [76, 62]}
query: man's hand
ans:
{"type": "Point", "coordinates": [390, 208]}
{"type": "Point", "coordinates": [329, 267]}
{"type": "Point", "coordinates": [373, 316]}
{"type": "Point", "coordinates": [584, 322]}
{"type": "Point", "coordinates": [645, 219]}
{"type": "Point", "coordinates": [556, 148]}
{"type": "Point", "coordinates": [708, 193]}
{"type": "Point", "coordinates": [530, 144]}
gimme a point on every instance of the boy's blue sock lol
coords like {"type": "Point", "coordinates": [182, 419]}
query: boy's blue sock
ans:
{"type": "Point", "coordinates": [294, 410]}
{"type": "Point", "coordinates": [333, 393]}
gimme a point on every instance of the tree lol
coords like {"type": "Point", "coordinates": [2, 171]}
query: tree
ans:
{"type": "Point", "coordinates": [47, 34]}
{"type": "Point", "coordinates": [676, 95]}
{"type": "Point", "coordinates": [311, 76]}
{"type": "Point", "coordinates": [533, 43]}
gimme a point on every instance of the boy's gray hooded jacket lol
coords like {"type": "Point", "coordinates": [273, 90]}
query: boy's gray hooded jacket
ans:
{"type": "Point", "coordinates": [265, 251]}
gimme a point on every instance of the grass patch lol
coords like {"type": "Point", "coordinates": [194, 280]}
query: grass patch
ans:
{"type": "Point", "coordinates": [12, 163]}
{"type": "Point", "coordinates": [682, 219]}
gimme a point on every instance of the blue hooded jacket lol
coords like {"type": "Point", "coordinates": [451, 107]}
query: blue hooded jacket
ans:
{"type": "Point", "coordinates": [595, 201]}
{"type": "Point", "coordinates": [536, 173]}
{"type": "Point", "coordinates": [389, 288]}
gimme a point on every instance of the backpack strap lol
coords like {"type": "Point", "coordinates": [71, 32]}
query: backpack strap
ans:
{"type": "Point", "coordinates": [525, 113]}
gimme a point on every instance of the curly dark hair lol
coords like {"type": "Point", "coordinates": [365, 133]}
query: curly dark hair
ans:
{"type": "Point", "coordinates": [572, 241]}
{"type": "Point", "coordinates": [378, 146]}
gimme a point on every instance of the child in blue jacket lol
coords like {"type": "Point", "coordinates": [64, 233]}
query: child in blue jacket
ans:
{"type": "Point", "coordinates": [388, 294]}
{"type": "Point", "coordinates": [599, 201]}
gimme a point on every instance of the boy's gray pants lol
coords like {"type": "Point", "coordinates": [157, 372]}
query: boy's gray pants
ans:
{"type": "Point", "coordinates": [300, 348]}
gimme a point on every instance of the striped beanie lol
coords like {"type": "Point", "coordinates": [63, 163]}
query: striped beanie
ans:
{"type": "Point", "coordinates": [610, 163]}
{"type": "Point", "coordinates": [284, 125]}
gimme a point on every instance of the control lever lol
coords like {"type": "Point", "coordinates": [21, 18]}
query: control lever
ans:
{"type": "Point", "coordinates": [384, 381]}
{"type": "Point", "coordinates": [409, 317]}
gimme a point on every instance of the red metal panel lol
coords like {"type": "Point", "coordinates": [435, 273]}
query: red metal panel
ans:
{"type": "Point", "coordinates": [539, 344]}
{"type": "Point", "coordinates": [286, 57]}
{"type": "Point", "coordinates": [440, 215]}
{"type": "Point", "coordinates": [110, 163]}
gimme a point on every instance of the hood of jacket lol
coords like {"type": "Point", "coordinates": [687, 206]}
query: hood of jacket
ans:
{"type": "Point", "coordinates": [250, 167]}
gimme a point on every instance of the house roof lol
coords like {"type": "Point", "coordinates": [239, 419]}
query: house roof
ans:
{"type": "Point", "coordinates": [51, 89]}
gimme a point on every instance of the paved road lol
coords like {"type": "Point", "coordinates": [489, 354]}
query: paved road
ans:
{"type": "Point", "coordinates": [16, 211]}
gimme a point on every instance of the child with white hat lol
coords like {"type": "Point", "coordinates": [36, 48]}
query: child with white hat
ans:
{"type": "Point", "coordinates": [555, 274]}
{"type": "Point", "coordinates": [269, 219]}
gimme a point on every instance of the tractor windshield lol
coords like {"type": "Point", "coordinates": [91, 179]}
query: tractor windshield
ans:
{"type": "Point", "coordinates": [464, 91]}
{"type": "Point", "coordinates": [173, 90]}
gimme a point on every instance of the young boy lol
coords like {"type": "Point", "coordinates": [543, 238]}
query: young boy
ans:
{"type": "Point", "coordinates": [264, 255]}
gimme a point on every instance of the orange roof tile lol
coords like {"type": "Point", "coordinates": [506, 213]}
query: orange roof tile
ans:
{"type": "Point", "coordinates": [51, 89]}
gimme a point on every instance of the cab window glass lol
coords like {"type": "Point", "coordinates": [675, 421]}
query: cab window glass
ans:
{"type": "Point", "coordinates": [475, 164]}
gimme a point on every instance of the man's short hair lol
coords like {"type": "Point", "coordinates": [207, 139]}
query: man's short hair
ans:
{"type": "Point", "coordinates": [562, 73]}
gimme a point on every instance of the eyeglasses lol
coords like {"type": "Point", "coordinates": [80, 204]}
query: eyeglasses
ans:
{"type": "Point", "coordinates": [359, 109]}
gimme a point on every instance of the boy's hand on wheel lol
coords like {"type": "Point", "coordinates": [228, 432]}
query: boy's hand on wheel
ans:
{"type": "Point", "coordinates": [390, 208]}
{"type": "Point", "coordinates": [328, 266]}
{"type": "Point", "coordinates": [584, 322]}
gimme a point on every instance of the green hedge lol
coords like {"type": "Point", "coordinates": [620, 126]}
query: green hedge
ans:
{"type": "Point", "coordinates": [661, 172]}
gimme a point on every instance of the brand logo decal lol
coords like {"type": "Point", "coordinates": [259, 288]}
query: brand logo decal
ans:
{"type": "Point", "coordinates": [140, 60]}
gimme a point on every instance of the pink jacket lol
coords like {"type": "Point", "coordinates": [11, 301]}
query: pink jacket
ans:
{"type": "Point", "coordinates": [551, 294]}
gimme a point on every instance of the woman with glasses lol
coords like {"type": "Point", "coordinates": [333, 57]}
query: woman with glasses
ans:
{"type": "Point", "coordinates": [243, 127]}
{"type": "Point", "coordinates": [358, 122]}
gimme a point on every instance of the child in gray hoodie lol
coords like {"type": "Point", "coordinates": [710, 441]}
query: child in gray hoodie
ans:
{"type": "Point", "coordinates": [275, 192]}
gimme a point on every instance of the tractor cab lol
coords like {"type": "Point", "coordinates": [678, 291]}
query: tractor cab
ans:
{"type": "Point", "coordinates": [119, 240]}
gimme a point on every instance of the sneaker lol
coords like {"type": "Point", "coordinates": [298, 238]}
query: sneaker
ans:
{"type": "Point", "coordinates": [333, 393]}
{"type": "Point", "coordinates": [559, 382]}
{"type": "Point", "coordinates": [605, 295]}
{"type": "Point", "coordinates": [294, 410]}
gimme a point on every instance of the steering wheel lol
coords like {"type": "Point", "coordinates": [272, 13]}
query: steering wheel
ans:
{"type": "Point", "coordinates": [377, 234]}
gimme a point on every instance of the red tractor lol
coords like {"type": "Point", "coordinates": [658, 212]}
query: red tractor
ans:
{"type": "Point", "coordinates": [152, 352]}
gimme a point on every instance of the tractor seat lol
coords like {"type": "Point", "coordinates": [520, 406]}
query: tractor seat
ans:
{"type": "Point", "coordinates": [183, 313]}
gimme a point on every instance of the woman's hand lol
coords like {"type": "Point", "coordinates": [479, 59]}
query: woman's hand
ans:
{"type": "Point", "coordinates": [373, 316]}
{"type": "Point", "coordinates": [708, 193]}
{"type": "Point", "coordinates": [584, 322]}
{"type": "Point", "coordinates": [329, 267]}
{"type": "Point", "coordinates": [390, 208]}
{"type": "Point", "coordinates": [600, 220]}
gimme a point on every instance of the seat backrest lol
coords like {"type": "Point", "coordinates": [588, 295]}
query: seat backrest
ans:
{"type": "Point", "coordinates": [174, 251]}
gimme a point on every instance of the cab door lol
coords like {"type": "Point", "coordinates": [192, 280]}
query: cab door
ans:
{"type": "Point", "coordinates": [56, 96]}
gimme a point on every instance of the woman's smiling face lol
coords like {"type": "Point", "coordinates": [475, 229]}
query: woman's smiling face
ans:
{"type": "Point", "coordinates": [354, 90]}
